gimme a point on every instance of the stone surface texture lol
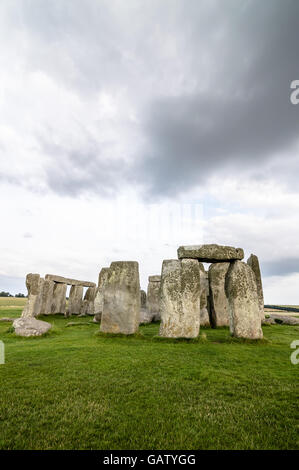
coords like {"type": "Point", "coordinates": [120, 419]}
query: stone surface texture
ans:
{"type": "Point", "coordinates": [204, 295]}
{"type": "Point", "coordinates": [47, 297]}
{"type": "Point", "coordinates": [153, 299]}
{"type": "Point", "coordinates": [99, 298]}
{"type": "Point", "coordinates": [34, 284]}
{"type": "Point", "coordinates": [30, 327]}
{"type": "Point", "coordinates": [87, 306]}
{"type": "Point", "coordinates": [75, 300]}
{"type": "Point", "coordinates": [210, 253]}
{"type": "Point", "coordinates": [180, 299]}
{"type": "Point", "coordinates": [121, 309]}
{"type": "Point", "coordinates": [219, 308]}
{"type": "Point", "coordinates": [59, 298]}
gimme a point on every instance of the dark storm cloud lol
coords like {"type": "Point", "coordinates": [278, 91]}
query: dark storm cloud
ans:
{"type": "Point", "coordinates": [244, 118]}
{"type": "Point", "coordinates": [280, 267]}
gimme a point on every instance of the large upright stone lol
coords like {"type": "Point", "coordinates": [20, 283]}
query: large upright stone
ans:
{"type": "Point", "coordinates": [241, 290]}
{"type": "Point", "coordinates": [204, 294]}
{"type": "Point", "coordinates": [59, 298]}
{"type": "Point", "coordinates": [180, 299]}
{"type": "Point", "coordinates": [153, 298]}
{"type": "Point", "coordinates": [121, 310]}
{"type": "Point", "coordinates": [253, 262]}
{"type": "Point", "coordinates": [75, 300]}
{"type": "Point", "coordinates": [99, 298]}
{"type": "Point", "coordinates": [47, 297]}
{"type": "Point", "coordinates": [210, 253]}
{"type": "Point", "coordinates": [219, 308]}
{"type": "Point", "coordinates": [87, 306]}
{"type": "Point", "coordinates": [34, 284]}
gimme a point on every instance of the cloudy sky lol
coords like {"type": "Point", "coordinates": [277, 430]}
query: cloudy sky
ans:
{"type": "Point", "coordinates": [130, 127]}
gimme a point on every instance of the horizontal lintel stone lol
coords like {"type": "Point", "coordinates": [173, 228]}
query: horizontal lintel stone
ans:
{"type": "Point", "coordinates": [72, 282]}
{"type": "Point", "coordinates": [211, 253]}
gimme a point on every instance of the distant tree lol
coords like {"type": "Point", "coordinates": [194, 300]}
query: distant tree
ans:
{"type": "Point", "coordinates": [20, 295]}
{"type": "Point", "coordinates": [5, 294]}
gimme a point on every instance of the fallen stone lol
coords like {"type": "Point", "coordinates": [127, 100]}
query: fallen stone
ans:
{"type": "Point", "coordinates": [210, 253]}
{"type": "Point", "coordinates": [121, 309]}
{"type": "Point", "coordinates": [241, 291]}
{"type": "Point", "coordinates": [253, 262]}
{"type": "Point", "coordinates": [219, 308]}
{"type": "Point", "coordinates": [284, 320]}
{"type": "Point", "coordinates": [99, 298]}
{"type": "Point", "coordinates": [59, 299]}
{"type": "Point", "coordinates": [30, 327]}
{"type": "Point", "coordinates": [153, 299]}
{"type": "Point", "coordinates": [180, 299]}
{"type": "Point", "coordinates": [7, 319]}
{"type": "Point", "coordinates": [75, 300]}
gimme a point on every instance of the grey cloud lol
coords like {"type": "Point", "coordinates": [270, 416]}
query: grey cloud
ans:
{"type": "Point", "coordinates": [280, 267]}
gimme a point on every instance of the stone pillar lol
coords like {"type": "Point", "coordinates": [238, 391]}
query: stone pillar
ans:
{"type": "Point", "coordinates": [204, 293]}
{"type": "Point", "coordinates": [59, 298]}
{"type": "Point", "coordinates": [47, 297]}
{"type": "Point", "coordinates": [180, 299]}
{"type": "Point", "coordinates": [99, 298]}
{"type": "Point", "coordinates": [121, 309]}
{"type": "Point", "coordinates": [145, 316]}
{"type": "Point", "coordinates": [34, 284]}
{"type": "Point", "coordinates": [244, 309]}
{"type": "Point", "coordinates": [153, 298]}
{"type": "Point", "coordinates": [219, 309]}
{"type": "Point", "coordinates": [253, 262]}
{"type": "Point", "coordinates": [75, 300]}
{"type": "Point", "coordinates": [87, 307]}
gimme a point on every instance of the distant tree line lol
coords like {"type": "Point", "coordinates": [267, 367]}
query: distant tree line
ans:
{"type": "Point", "coordinates": [287, 309]}
{"type": "Point", "coordinates": [7, 294]}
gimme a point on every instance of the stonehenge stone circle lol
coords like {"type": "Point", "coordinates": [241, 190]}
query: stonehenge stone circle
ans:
{"type": "Point", "coordinates": [204, 295]}
{"type": "Point", "coordinates": [253, 262]}
{"type": "Point", "coordinates": [29, 326]}
{"type": "Point", "coordinates": [59, 299]}
{"type": "Point", "coordinates": [219, 308]}
{"type": "Point", "coordinates": [153, 298]}
{"type": "Point", "coordinates": [47, 297]}
{"type": "Point", "coordinates": [87, 306]}
{"type": "Point", "coordinates": [121, 309]}
{"type": "Point", "coordinates": [34, 284]}
{"type": "Point", "coordinates": [75, 300]}
{"type": "Point", "coordinates": [210, 253]}
{"type": "Point", "coordinates": [244, 309]}
{"type": "Point", "coordinates": [99, 298]}
{"type": "Point", "coordinates": [180, 299]}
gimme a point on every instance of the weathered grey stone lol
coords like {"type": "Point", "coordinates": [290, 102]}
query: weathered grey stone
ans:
{"type": "Point", "coordinates": [144, 315]}
{"type": "Point", "coordinates": [241, 291]}
{"type": "Point", "coordinates": [30, 326]}
{"type": "Point", "coordinates": [204, 294]}
{"type": "Point", "coordinates": [34, 284]}
{"type": "Point", "coordinates": [153, 299]}
{"type": "Point", "coordinates": [121, 309]}
{"type": "Point", "coordinates": [210, 253]}
{"type": "Point", "coordinates": [7, 319]}
{"type": "Point", "coordinates": [219, 308]}
{"type": "Point", "coordinates": [66, 280]}
{"type": "Point", "coordinates": [143, 298]}
{"type": "Point", "coordinates": [87, 307]}
{"type": "Point", "coordinates": [47, 297]}
{"type": "Point", "coordinates": [253, 262]}
{"type": "Point", "coordinates": [59, 298]}
{"type": "Point", "coordinates": [99, 298]}
{"type": "Point", "coordinates": [75, 300]}
{"type": "Point", "coordinates": [180, 299]}
{"type": "Point", "coordinates": [284, 319]}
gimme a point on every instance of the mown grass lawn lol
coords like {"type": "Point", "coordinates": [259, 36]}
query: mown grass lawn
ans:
{"type": "Point", "coordinates": [76, 389]}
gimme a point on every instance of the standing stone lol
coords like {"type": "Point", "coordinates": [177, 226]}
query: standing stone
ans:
{"type": "Point", "coordinates": [244, 310]}
{"type": "Point", "coordinates": [34, 284]}
{"type": "Point", "coordinates": [143, 298]}
{"type": "Point", "coordinates": [59, 298]}
{"type": "Point", "coordinates": [253, 262]}
{"type": "Point", "coordinates": [75, 300]}
{"type": "Point", "coordinates": [121, 310]}
{"type": "Point", "coordinates": [87, 307]}
{"type": "Point", "coordinates": [47, 297]}
{"type": "Point", "coordinates": [153, 298]}
{"type": "Point", "coordinates": [219, 308]}
{"type": "Point", "coordinates": [180, 299]}
{"type": "Point", "coordinates": [204, 294]}
{"type": "Point", "coordinates": [210, 253]}
{"type": "Point", "coordinates": [99, 298]}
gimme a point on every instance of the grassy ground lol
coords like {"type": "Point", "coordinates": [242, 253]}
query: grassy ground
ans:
{"type": "Point", "coordinates": [76, 389]}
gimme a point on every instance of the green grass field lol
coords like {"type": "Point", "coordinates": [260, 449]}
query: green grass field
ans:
{"type": "Point", "coordinates": [76, 389]}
